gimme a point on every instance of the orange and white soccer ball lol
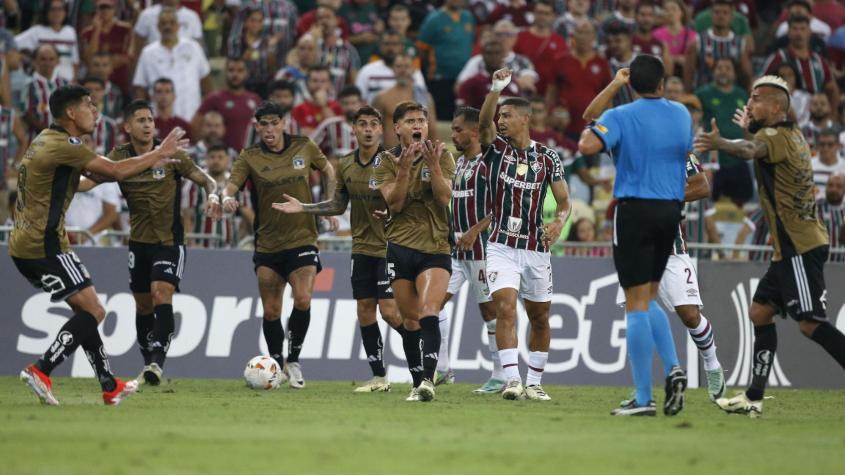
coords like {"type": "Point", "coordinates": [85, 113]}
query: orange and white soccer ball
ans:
{"type": "Point", "coordinates": [263, 372]}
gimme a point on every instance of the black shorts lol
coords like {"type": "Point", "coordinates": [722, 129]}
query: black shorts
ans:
{"type": "Point", "coordinates": [406, 263]}
{"type": "Point", "coordinates": [795, 286]}
{"type": "Point", "coordinates": [61, 276]}
{"type": "Point", "coordinates": [289, 260]}
{"type": "Point", "coordinates": [154, 262]}
{"type": "Point", "coordinates": [369, 278]}
{"type": "Point", "coordinates": [643, 234]}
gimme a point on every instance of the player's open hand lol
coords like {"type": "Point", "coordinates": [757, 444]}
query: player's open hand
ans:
{"type": "Point", "coordinates": [466, 241]}
{"type": "Point", "coordinates": [431, 152]}
{"type": "Point", "coordinates": [291, 206]}
{"type": "Point", "coordinates": [623, 76]}
{"type": "Point", "coordinates": [174, 142]}
{"type": "Point", "coordinates": [406, 158]}
{"type": "Point", "coordinates": [741, 118]}
{"type": "Point", "coordinates": [707, 141]}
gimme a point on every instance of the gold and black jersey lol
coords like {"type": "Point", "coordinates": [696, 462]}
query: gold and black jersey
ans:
{"type": "Point", "coordinates": [356, 181]}
{"type": "Point", "coordinates": [154, 198]}
{"type": "Point", "coordinates": [274, 174]}
{"type": "Point", "coordinates": [422, 224]}
{"type": "Point", "coordinates": [785, 183]}
{"type": "Point", "coordinates": [48, 177]}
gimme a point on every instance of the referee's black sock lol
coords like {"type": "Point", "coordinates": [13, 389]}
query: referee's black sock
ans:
{"type": "Point", "coordinates": [165, 325]}
{"type": "Point", "coordinates": [96, 354]}
{"type": "Point", "coordinates": [144, 325]}
{"type": "Point", "coordinates": [430, 335]}
{"type": "Point", "coordinates": [274, 336]}
{"type": "Point", "coordinates": [832, 340]}
{"type": "Point", "coordinates": [411, 345]}
{"type": "Point", "coordinates": [374, 348]}
{"type": "Point", "coordinates": [297, 328]}
{"type": "Point", "coordinates": [765, 346]}
{"type": "Point", "coordinates": [76, 330]}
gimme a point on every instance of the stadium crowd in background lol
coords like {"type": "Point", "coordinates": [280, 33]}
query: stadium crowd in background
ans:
{"type": "Point", "coordinates": [206, 65]}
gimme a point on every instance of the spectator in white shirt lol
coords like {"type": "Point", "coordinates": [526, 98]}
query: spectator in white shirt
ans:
{"type": "Point", "coordinates": [53, 30]}
{"type": "Point", "coordinates": [181, 60]}
{"type": "Point", "coordinates": [146, 31]}
{"type": "Point", "coordinates": [95, 210]}
{"type": "Point", "coordinates": [521, 67]}
{"type": "Point", "coordinates": [827, 160]}
{"type": "Point", "coordinates": [377, 76]}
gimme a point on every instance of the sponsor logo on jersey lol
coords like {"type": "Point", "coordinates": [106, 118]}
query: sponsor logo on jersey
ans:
{"type": "Point", "coordinates": [463, 193]}
{"type": "Point", "coordinates": [511, 181]}
{"type": "Point", "coordinates": [514, 224]}
{"type": "Point", "coordinates": [298, 163]}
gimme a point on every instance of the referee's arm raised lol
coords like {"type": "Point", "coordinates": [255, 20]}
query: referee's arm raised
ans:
{"type": "Point", "coordinates": [486, 123]}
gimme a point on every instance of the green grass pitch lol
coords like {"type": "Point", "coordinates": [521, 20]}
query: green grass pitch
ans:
{"type": "Point", "coordinates": [220, 426]}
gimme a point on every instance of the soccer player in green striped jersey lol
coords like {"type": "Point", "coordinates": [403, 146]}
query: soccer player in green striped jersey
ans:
{"type": "Point", "coordinates": [832, 212]}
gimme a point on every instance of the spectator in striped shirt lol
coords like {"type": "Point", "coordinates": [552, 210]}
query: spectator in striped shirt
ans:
{"type": "Point", "coordinates": [335, 135]}
{"type": "Point", "coordinates": [832, 212]}
{"type": "Point", "coordinates": [212, 131]}
{"type": "Point", "coordinates": [114, 98]}
{"type": "Point", "coordinates": [278, 18]}
{"type": "Point", "coordinates": [827, 161]}
{"type": "Point", "coordinates": [305, 56]}
{"type": "Point", "coordinates": [35, 102]}
{"type": "Point", "coordinates": [105, 132]}
{"type": "Point", "coordinates": [54, 30]}
{"type": "Point", "coordinates": [620, 54]}
{"type": "Point", "coordinates": [821, 118]}
{"type": "Point", "coordinates": [335, 52]}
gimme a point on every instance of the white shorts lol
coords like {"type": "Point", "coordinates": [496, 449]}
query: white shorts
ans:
{"type": "Point", "coordinates": [529, 272]}
{"type": "Point", "coordinates": [475, 273]}
{"type": "Point", "coordinates": [678, 286]}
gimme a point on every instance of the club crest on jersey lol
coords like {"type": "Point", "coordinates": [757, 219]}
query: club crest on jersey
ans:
{"type": "Point", "coordinates": [158, 173]}
{"type": "Point", "coordinates": [74, 140]}
{"type": "Point", "coordinates": [377, 161]}
{"type": "Point", "coordinates": [536, 166]}
{"type": "Point", "coordinates": [298, 163]}
{"type": "Point", "coordinates": [425, 174]}
{"type": "Point", "coordinates": [373, 185]}
{"type": "Point", "coordinates": [491, 276]}
{"type": "Point", "coordinates": [521, 169]}
{"type": "Point", "coordinates": [467, 174]}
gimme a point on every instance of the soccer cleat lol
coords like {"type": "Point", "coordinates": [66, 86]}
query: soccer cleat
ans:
{"type": "Point", "coordinates": [631, 398]}
{"type": "Point", "coordinates": [120, 392]}
{"type": "Point", "coordinates": [378, 384]}
{"type": "Point", "coordinates": [40, 384]}
{"type": "Point", "coordinates": [447, 377]}
{"type": "Point", "coordinates": [634, 409]}
{"type": "Point", "coordinates": [513, 390]}
{"type": "Point", "coordinates": [294, 374]}
{"type": "Point", "coordinates": [492, 386]}
{"type": "Point", "coordinates": [740, 404]}
{"type": "Point", "coordinates": [426, 390]}
{"type": "Point", "coordinates": [414, 396]}
{"type": "Point", "coordinates": [715, 383]}
{"type": "Point", "coordinates": [676, 384]}
{"type": "Point", "coordinates": [535, 392]}
{"type": "Point", "coordinates": [152, 374]}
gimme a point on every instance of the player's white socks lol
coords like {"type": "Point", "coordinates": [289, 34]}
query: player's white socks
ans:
{"type": "Point", "coordinates": [536, 365]}
{"type": "Point", "coordinates": [510, 363]}
{"type": "Point", "coordinates": [445, 325]}
{"type": "Point", "coordinates": [703, 337]}
{"type": "Point", "coordinates": [494, 351]}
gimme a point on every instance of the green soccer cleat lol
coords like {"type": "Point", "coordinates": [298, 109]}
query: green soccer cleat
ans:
{"type": "Point", "coordinates": [715, 383]}
{"type": "Point", "coordinates": [441, 377]}
{"type": "Point", "coordinates": [492, 386]}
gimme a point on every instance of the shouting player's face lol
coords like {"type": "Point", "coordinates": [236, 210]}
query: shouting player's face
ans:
{"type": "Point", "coordinates": [271, 129]}
{"type": "Point", "coordinates": [141, 126]}
{"type": "Point", "coordinates": [368, 131]}
{"type": "Point", "coordinates": [413, 127]}
{"type": "Point", "coordinates": [513, 122]}
{"type": "Point", "coordinates": [84, 115]}
{"type": "Point", "coordinates": [766, 106]}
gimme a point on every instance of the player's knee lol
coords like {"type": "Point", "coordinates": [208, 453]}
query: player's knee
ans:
{"type": "Point", "coordinates": [162, 296]}
{"type": "Point", "coordinates": [272, 310]}
{"type": "Point", "coordinates": [760, 315]}
{"type": "Point", "coordinates": [689, 316]}
{"type": "Point", "coordinates": [302, 300]}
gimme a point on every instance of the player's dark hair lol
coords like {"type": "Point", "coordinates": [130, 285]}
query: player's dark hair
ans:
{"type": "Point", "coordinates": [281, 84]}
{"type": "Point", "coordinates": [218, 147]}
{"type": "Point", "coordinates": [646, 73]}
{"type": "Point", "coordinates": [368, 111]}
{"type": "Point", "coordinates": [135, 106]}
{"type": "Point", "coordinates": [64, 97]}
{"type": "Point", "coordinates": [470, 114]}
{"type": "Point", "coordinates": [405, 107]}
{"type": "Point", "coordinates": [270, 108]}
{"type": "Point", "coordinates": [163, 80]}
{"type": "Point", "coordinates": [350, 90]}
{"type": "Point", "coordinates": [88, 79]}
{"type": "Point", "coordinates": [519, 103]}
{"type": "Point", "coordinates": [798, 19]}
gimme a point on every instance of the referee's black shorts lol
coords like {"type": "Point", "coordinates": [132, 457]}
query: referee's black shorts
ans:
{"type": "Point", "coordinates": [644, 232]}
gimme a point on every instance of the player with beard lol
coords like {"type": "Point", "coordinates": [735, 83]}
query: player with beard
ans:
{"type": "Point", "coordinates": [415, 178]}
{"type": "Point", "coordinates": [471, 217]}
{"type": "Point", "coordinates": [519, 172]}
{"type": "Point", "coordinates": [48, 176]}
{"type": "Point", "coordinates": [370, 284]}
{"type": "Point", "coordinates": [794, 283]}
{"type": "Point", "coordinates": [157, 238]}
{"type": "Point", "coordinates": [285, 246]}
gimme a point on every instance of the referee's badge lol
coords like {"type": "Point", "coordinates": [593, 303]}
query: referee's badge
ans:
{"type": "Point", "coordinates": [298, 163]}
{"type": "Point", "coordinates": [521, 169]}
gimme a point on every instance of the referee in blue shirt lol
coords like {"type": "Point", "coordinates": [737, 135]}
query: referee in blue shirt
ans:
{"type": "Point", "coordinates": [649, 140]}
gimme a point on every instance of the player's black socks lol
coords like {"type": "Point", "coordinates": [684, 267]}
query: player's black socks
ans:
{"type": "Point", "coordinates": [274, 335]}
{"type": "Point", "coordinates": [411, 345]}
{"type": "Point", "coordinates": [144, 325]}
{"type": "Point", "coordinates": [374, 348]}
{"type": "Point", "coordinates": [430, 335]}
{"type": "Point", "coordinates": [96, 354]}
{"type": "Point", "coordinates": [297, 328]}
{"type": "Point", "coordinates": [76, 330]}
{"type": "Point", "coordinates": [832, 340]}
{"type": "Point", "coordinates": [765, 345]}
{"type": "Point", "coordinates": [164, 328]}
{"type": "Point", "coordinates": [400, 330]}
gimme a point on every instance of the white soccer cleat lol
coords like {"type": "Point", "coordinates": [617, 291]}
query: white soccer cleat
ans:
{"type": "Point", "coordinates": [715, 383]}
{"type": "Point", "coordinates": [294, 374]}
{"type": "Point", "coordinates": [740, 404]}
{"type": "Point", "coordinates": [152, 374]}
{"type": "Point", "coordinates": [40, 384]}
{"type": "Point", "coordinates": [513, 390]}
{"type": "Point", "coordinates": [378, 384]}
{"type": "Point", "coordinates": [414, 396]}
{"type": "Point", "coordinates": [426, 390]}
{"type": "Point", "coordinates": [535, 392]}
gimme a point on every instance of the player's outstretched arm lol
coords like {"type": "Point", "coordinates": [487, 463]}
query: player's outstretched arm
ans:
{"type": "Point", "coordinates": [130, 167]}
{"type": "Point", "coordinates": [741, 148]}
{"type": "Point", "coordinates": [604, 99]}
{"type": "Point", "coordinates": [333, 207]}
{"type": "Point", "coordinates": [486, 124]}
